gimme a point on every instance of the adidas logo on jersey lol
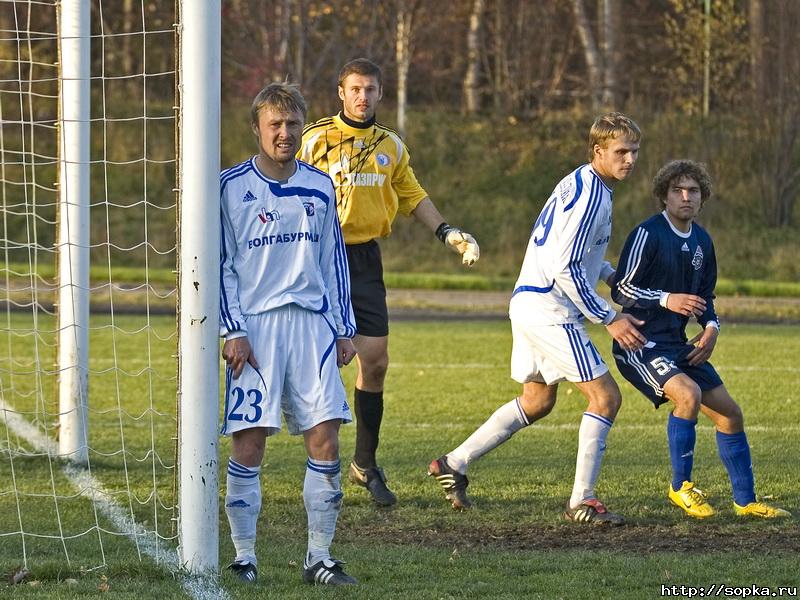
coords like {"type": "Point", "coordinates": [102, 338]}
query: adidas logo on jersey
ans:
{"type": "Point", "coordinates": [249, 197]}
{"type": "Point", "coordinates": [685, 247]}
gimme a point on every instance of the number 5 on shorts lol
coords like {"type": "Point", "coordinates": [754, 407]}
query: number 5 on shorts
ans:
{"type": "Point", "coordinates": [662, 365]}
{"type": "Point", "coordinates": [254, 398]}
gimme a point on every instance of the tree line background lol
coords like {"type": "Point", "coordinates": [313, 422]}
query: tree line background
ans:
{"type": "Point", "coordinates": [495, 98]}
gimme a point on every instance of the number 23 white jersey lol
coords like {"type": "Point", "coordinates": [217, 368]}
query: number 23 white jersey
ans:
{"type": "Point", "coordinates": [565, 257]}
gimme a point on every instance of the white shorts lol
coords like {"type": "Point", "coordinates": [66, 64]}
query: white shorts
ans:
{"type": "Point", "coordinates": [554, 353]}
{"type": "Point", "coordinates": [296, 352]}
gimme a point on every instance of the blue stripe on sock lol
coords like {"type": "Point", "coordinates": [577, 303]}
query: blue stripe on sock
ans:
{"type": "Point", "coordinates": [237, 470]}
{"type": "Point", "coordinates": [522, 414]}
{"type": "Point", "coordinates": [600, 418]}
{"type": "Point", "coordinates": [328, 468]}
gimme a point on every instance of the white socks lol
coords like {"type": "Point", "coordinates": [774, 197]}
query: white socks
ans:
{"type": "Point", "coordinates": [591, 447]}
{"type": "Point", "coordinates": [242, 505]}
{"type": "Point", "coordinates": [322, 495]}
{"type": "Point", "coordinates": [504, 422]}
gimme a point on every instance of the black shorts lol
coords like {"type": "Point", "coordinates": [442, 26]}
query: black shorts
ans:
{"type": "Point", "coordinates": [649, 369]}
{"type": "Point", "coordinates": [367, 291]}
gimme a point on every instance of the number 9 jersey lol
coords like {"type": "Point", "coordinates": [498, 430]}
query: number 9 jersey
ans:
{"type": "Point", "coordinates": [566, 255]}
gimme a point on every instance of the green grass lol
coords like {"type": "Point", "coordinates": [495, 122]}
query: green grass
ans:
{"type": "Point", "coordinates": [444, 380]}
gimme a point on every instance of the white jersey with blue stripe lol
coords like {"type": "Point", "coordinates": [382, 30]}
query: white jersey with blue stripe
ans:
{"type": "Point", "coordinates": [281, 244]}
{"type": "Point", "coordinates": [566, 255]}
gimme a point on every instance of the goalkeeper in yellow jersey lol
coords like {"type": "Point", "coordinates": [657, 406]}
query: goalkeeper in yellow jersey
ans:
{"type": "Point", "coordinates": [369, 165]}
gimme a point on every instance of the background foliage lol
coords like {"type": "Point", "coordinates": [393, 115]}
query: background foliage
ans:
{"type": "Point", "coordinates": [500, 95]}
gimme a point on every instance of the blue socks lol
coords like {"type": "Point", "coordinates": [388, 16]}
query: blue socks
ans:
{"type": "Point", "coordinates": [735, 454]}
{"type": "Point", "coordinates": [681, 435]}
{"type": "Point", "coordinates": [733, 450]}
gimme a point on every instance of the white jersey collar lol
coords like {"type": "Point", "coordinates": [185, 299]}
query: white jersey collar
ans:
{"type": "Point", "coordinates": [677, 232]}
{"type": "Point", "coordinates": [258, 172]}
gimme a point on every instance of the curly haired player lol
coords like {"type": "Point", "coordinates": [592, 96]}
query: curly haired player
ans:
{"type": "Point", "coordinates": [667, 273]}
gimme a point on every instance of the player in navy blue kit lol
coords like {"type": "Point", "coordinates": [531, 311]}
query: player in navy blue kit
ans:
{"type": "Point", "coordinates": [666, 275]}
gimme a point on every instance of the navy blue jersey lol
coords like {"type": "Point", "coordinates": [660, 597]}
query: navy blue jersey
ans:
{"type": "Point", "coordinates": [658, 258]}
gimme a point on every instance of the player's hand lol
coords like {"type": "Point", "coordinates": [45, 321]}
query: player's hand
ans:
{"type": "Point", "coordinates": [236, 353]}
{"type": "Point", "coordinates": [624, 329]}
{"type": "Point", "coordinates": [465, 245]}
{"type": "Point", "coordinates": [686, 304]}
{"type": "Point", "coordinates": [345, 351]}
{"type": "Point", "coordinates": [703, 343]}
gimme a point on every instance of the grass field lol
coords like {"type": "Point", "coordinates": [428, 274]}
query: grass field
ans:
{"type": "Point", "coordinates": [444, 380]}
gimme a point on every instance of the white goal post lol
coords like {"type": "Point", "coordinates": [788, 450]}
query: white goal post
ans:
{"type": "Point", "coordinates": [109, 420]}
{"type": "Point", "coordinates": [200, 37]}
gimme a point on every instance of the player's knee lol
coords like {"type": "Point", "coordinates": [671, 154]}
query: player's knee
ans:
{"type": "Point", "coordinates": [323, 447]}
{"type": "Point", "coordinates": [536, 406]}
{"type": "Point", "coordinates": [604, 396]}
{"type": "Point", "coordinates": [373, 368]}
{"type": "Point", "coordinates": [687, 399]}
{"type": "Point", "coordinates": [609, 404]}
{"type": "Point", "coordinates": [735, 418]}
{"type": "Point", "coordinates": [247, 447]}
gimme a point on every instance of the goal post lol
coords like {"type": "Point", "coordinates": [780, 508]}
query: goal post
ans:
{"type": "Point", "coordinates": [109, 363]}
{"type": "Point", "coordinates": [199, 123]}
{"type": "Point", "coordinates": [73, 229]}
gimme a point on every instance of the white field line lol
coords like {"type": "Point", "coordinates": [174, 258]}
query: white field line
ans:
{"type": "Point", "coordinates": [198, 587]}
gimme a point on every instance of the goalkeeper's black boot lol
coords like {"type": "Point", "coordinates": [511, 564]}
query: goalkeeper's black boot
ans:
{"type": "Point", "coordinates": [453, 483]}
{"type": "Point", "coordinates": [375, 481]}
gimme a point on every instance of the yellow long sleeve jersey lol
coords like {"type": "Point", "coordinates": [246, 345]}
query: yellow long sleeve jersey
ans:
{"type": "Point", "coordinates": [371, 172]}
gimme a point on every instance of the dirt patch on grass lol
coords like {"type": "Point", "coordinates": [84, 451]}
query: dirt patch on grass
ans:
{"type": "Point", "coordinates": [634, 539]}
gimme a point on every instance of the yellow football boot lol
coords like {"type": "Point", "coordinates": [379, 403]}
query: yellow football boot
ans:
{"type": "Point", "coordinates": [692, 500]}
{"type": "Point", "coordinates": [761, 510]}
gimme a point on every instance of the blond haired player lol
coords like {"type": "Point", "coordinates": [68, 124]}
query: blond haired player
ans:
{"type": "Point", "coordinates": [553, 297]}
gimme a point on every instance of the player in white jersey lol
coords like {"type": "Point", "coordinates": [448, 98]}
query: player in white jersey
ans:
{"type": "Point", "coordinates": [553, 296]}
{"type": "Point", "coordinates": [288, 325]}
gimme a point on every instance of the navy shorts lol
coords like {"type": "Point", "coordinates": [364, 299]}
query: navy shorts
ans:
{"type": "Point", "coordinates": [649, 369]}
{"type": "Point", "coordinates": [367, 291]}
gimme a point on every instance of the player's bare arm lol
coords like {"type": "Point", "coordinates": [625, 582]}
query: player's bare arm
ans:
{"type": "Point", "coordinates": [236, 353]}
{"type": "Point", "coordinates": [624, 329]}
{"type": "Point", "coordinates": [460, 241]}
{"type": "Point", "coordinates": [704, 344]}
{"type": "Point", "coordinates": [345, 352]}
{"type": "Point", "coordinates": [686, 304]}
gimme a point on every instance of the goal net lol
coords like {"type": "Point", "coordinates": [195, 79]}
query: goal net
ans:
{"type": "Point", "coordinates": [91, 338]}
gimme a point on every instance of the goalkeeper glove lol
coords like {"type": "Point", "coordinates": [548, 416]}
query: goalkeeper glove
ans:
{"type": "Point", "coordinates": [461, 242]}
